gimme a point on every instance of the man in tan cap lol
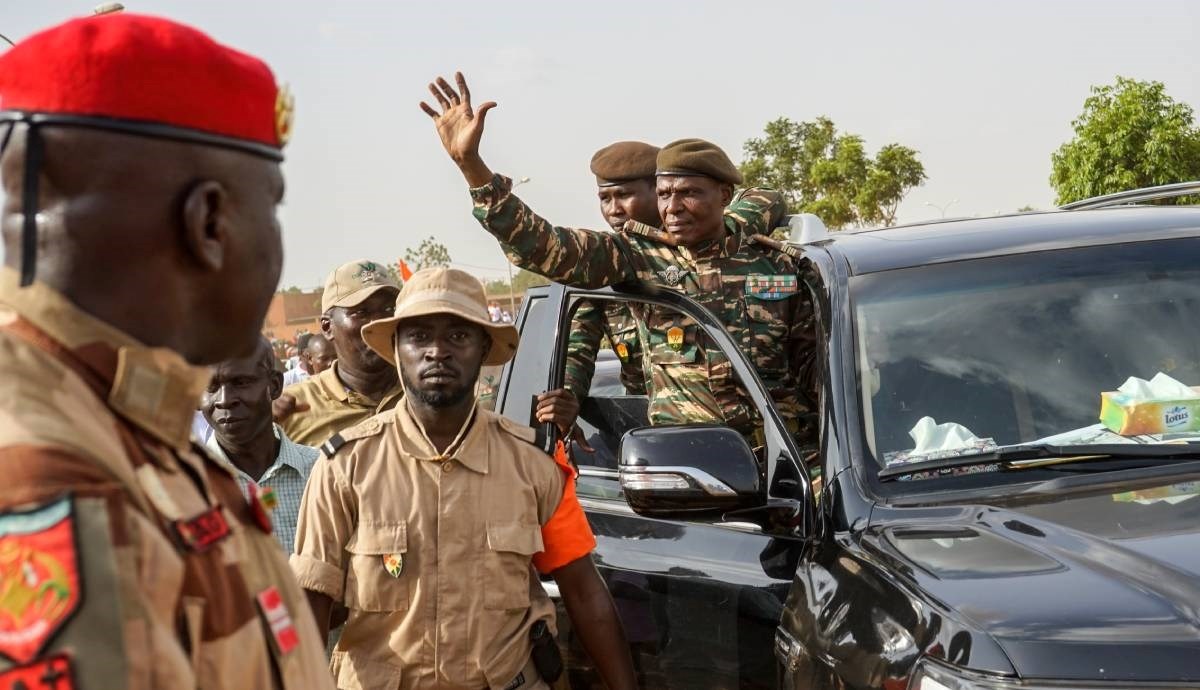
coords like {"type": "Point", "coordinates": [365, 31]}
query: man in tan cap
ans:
{"type": "Point", "coordinates": [700, 250]}
{"type": "Point", "coordinates": [360, 383]}
{"type": "Point", "coordinates": [427, 520]}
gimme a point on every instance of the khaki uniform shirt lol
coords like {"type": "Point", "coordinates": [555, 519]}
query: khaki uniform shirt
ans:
{"type": "Point", "coordinates": [331, 408]}
{"type": "Point", "coordinates": [431, 553]}
{"type": "Point", "coordinates": [128, 558]}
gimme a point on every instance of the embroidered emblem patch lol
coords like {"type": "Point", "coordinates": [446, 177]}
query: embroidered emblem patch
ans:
{"type": "Point", "coordinates": [393, 563]}
{"type": "Point", "coordinates": [53, 673]}
{"type": "Point", "coordinates": [199, 533]}
{"type": "Point", "coordinates": [672, 275]}
{"type": "Point", "coordinates": [675, 338]}
{"type": "Point", "coordinates": [285, 113]}
{"type": "Point", "coordinates": [39, 578]}
{"type": "Point", "coordinates": [274, 610]}
{"type": "Point", "coordinates": [623, 351]}
{"type": "Point", "coordinates": [262, 501]}
{"type": "Point", "coordinates": [772, 287]}
{"type": "Point", "coordinates": [368, 272]}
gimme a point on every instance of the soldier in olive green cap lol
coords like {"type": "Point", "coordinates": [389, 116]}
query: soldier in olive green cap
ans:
{"type": "Point", "coordinates": [701, 249]}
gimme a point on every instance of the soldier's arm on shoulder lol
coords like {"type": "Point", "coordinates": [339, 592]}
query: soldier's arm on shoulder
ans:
{"type": "Point", "coordinates": [587, 330]}
{"type": "Point", "coordinates": [583, 258]}
{"type": "Point", "coordinates": [756, 211]}
{"type": "Point", "coordinates": [326, 522]}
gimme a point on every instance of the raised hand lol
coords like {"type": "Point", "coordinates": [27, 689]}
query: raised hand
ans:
{"type": "Point", "coordinates": [460, 126]}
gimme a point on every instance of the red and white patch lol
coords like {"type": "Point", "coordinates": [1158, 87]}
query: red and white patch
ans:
{"type": "Point", "coordinates": [39, 578]}
{"type": "Point", "coordinates": [274, 611]}
{"type": "Point", "coordinates": [201, 532]}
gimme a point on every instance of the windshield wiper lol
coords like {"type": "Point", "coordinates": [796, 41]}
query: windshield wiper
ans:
{"type": "Point", "coordinates": [1041, 455]}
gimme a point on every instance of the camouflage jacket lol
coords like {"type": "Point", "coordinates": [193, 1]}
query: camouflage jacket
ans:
{"type": "Point", "coordinates": [593, 323]}
{"type": "Point", "coordinates": [755, 291]}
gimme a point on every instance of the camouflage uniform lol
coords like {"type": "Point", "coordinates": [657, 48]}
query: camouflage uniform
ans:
{"type": "Point", "coordinates": [753, 290]}
{"type": "Point", "coordinates": [593, 323]}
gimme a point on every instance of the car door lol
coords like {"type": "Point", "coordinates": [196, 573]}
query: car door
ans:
{"type": "Point", "coordinates": [699, 600]}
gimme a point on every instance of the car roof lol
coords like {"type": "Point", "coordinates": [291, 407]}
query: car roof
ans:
{"type": "Point", "coordinates": [869, 251]}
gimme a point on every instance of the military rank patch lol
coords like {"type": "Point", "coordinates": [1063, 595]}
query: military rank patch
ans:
{"type": "Point", "coordinates": [279, 621]}
{"type": "Point", "coordinates": [53, 673]}
{"type": "Point", "coordinates": [201, 532]}
{"type": "Point", "coordinates": [39, 582]}
{"type": "Point", "coordinates": [774, 287]}
{"type": "Point", "coordinates": [675, 338]}
{"type": "Point", "coordinates": [393, 563]}
{"type": "Point", "coordinates": [672, 275]}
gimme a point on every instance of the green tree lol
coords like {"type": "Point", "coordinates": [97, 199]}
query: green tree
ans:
{"type": "Point", "coordinates": [822, 171]}
{"type": "Point", "coordinates": [1131, 134]}
{"type": "Point", "coordinates": [428, 254]}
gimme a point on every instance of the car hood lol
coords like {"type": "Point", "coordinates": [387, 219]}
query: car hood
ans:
{"type": "Point", "coordinates": [1096, 585]}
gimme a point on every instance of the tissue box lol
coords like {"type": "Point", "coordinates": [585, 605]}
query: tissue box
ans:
{"type": "Point", "coordinates": [1129, 417]}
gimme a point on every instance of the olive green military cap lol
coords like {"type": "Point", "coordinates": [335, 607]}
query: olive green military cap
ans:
{"type": "Point", "coordinates": [350, 284]}
{"type": "Point", "coordinates": [624, 161]}
{"type": "Point", "coordinates": [697, 157]}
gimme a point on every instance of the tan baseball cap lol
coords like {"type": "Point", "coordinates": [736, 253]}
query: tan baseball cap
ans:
{"type": "Point", "coordinates": [352, 283]}
{"type": "Point", "coordinates": [442, 291]}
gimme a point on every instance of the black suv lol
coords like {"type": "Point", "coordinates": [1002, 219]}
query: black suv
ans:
{"type": "Point", "coordinates": [976, 528]}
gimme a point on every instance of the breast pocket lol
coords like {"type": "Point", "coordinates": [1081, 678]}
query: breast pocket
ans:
{"type": "Point", "coordinates": [510, 549]}
{"type": "Point", "coordinates": [380, 570]}
{"type": "Point", "coordinates": [768, 320]}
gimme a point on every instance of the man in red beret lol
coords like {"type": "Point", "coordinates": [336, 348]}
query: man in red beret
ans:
{"type": "Point", "coordinates": [140, 164]}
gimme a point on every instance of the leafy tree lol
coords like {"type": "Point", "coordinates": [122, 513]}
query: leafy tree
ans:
{"type": "Point", "coordinates": [1130, 134]}
{"type": "Point", "coordinates": [428, 254]}
{"type": "Point", "coordinates": [822, 171]}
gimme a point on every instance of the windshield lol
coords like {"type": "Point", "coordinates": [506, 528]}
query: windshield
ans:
{"type": "Point", "coordinates": [966, 357]}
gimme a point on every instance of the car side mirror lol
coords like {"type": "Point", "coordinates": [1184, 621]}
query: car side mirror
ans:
{"type": "Point", "coordinates": [688, 471]}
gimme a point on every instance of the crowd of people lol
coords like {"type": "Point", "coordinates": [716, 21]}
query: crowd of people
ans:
{"type": "Point", "coordinates": [225, 511]}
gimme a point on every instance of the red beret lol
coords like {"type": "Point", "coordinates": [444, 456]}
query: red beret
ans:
{"type": "Point", "coordinates": [146, 75]}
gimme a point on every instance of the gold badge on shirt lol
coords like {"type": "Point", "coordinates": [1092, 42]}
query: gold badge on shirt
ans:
{"type": "Point", "coordinates": [623, 351]}
{"type": "Point", "coordinates": [675, 338]}
{"type": "Point", "coordinates": [393, 563]}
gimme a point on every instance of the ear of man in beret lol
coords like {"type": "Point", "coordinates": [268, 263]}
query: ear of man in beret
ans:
{"type": "Point", "coordinates": [697, 157]}
{"type": "Point", "coordinates": [624, 161]}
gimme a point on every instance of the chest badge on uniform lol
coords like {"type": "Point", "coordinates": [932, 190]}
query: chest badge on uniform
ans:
{"type": "Point", "coordinates": [673, 275]}
{"type": "Point", "coordinates": [393, 563]}
{"type": "Point", "coordinates": [675, 338]}
{"type": "Point", "coordinates": [40, 584]}
{"type": "Point", "coordinates": [53, 673]}
{"type": "Point", "coordinates": [623, 351]}
{"type": "Point", "coordinates": [201, 532]}
{"type": "Point", "coordinates": [771, 287]}
{"type": "Point", "coordinates": [279, 621]}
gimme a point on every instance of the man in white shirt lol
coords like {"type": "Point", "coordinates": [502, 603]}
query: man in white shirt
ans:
{"type": "Point", "coordinates": [271, 469]}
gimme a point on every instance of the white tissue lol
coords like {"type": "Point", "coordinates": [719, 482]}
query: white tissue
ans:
{"type": "Point", "coordinates": [931, 436]}
{"type": "Point", "coordinates": [1161, 387]}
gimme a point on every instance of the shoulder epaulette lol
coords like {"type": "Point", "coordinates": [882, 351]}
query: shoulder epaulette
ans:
{"type": "Point", "coordinates": [525, 433]}
{"type": "Point", "coordinates": [370, 427]}
{"type": "Point", "coordinates": [633, 227]}
{"type": "Point", "coordinates": [775, 244]}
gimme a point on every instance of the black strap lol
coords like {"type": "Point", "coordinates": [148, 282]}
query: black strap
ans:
{"type": "Point", "coordinates": [330, 447]}
{"type": "Point", "coordinates": [29, 203]}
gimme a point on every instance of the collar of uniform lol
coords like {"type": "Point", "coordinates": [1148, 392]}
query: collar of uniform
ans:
{"type": "Point", "coordinates": [469, 446]}
{"type": "Point", "coordinates": [727, 245]}
{"type": "Point", "coordinates": [334, 388]}
{"type": "Point", "coordinates": [153, 388]}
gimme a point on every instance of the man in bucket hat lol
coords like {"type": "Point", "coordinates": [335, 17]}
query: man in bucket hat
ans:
{"type": "Point", "coordinates": [424, 520]}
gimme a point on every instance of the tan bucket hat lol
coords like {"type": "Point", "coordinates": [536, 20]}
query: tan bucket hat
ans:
{"type": "Point", "coordinates": [350, 284]}
{"type": "Point", "coordinates": [442, 291]}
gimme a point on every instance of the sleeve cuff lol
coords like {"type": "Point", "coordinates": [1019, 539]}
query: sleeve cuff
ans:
{"type": "Point", "coordinates": [318, 576]}
{"type": "Point", "coordinates": [492, 192]}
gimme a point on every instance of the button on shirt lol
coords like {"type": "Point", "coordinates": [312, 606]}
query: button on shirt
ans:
{"type": "Point", "coordinates": [331, 407]}
{"type": "Point", "coordinates": [432, 552]}
{"type": "Point", "coordinates": [287, 476]}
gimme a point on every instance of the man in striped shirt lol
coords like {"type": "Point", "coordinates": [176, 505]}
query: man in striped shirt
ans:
{"type": "Point", "coordinates": [271, 469]}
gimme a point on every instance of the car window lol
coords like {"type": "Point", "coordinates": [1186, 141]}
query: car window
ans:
{"type": "Point", "coordinates": [530, 366]}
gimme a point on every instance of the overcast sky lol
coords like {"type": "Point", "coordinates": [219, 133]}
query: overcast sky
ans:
{"type": "Point", "coordinates": [985, 91]}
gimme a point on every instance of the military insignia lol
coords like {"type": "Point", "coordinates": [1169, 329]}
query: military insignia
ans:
{"type": "Point", "coordinates": [39, 580]}
{"type": "Point", "coordinates": [623, 351]}
{"type": "Point", "coordinates": [675, 338]}
{"type": "Point", "coordinates": [53, 673]}
{"type": "Point", "coordinates": [771, 287]}
{"type": "Point", "coordinates": [274, 610]}
{"type": "Point", "coordinates": [393, 563]}
{"type": "Point", "coordinates": [285, 107]}
{"type": "Point", "coordinates": [672, 275]}
{"type": "Point", "coordinates": [367, 272]}
{"type": "Point", "coordinates": [201, 532]}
